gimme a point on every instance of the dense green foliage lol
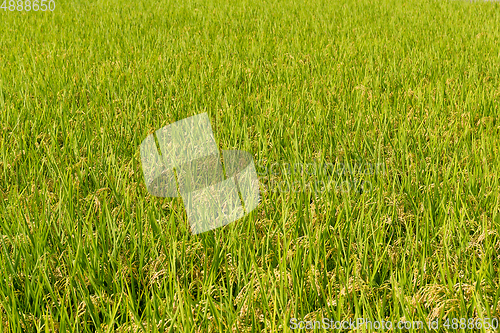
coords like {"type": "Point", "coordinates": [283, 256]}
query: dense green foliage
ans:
{"type": "Point", "coordinates": [413, 85]}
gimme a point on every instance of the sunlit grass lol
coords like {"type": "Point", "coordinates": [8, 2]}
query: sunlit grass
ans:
{"type": "Point", "coordinates": [411, 85]}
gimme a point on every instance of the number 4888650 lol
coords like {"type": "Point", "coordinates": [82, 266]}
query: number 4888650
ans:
{"type": "Point", "coordinates": [28, 5]}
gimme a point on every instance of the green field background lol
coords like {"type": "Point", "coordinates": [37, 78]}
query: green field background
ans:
{"type": "Point", "coordinates": [413, 85]}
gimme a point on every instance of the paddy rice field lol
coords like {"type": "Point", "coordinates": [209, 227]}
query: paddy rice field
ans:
{"type": "Point", "coordinates": [410, 87]}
